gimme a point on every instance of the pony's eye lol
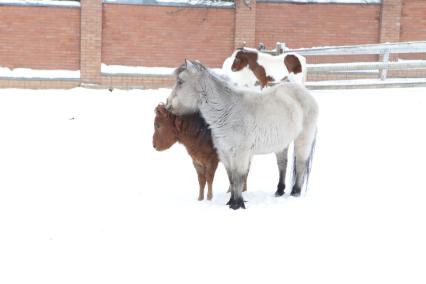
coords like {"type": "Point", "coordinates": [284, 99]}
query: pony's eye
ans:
{"type": "Point", "coordinates": [157, 126]}
{"type": "Point", "coordinates": [179, 81]}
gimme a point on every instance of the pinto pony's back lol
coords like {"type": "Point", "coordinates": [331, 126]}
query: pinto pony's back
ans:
{"type": "Point", "coordinates": [249, 67]}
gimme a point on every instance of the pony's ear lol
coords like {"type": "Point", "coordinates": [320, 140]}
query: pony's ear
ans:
{"type": "Point", "coordinates": [189, 66]}
{"type": "Point", "coordinates": [194, 66]}
{"type": "Point", "coordinates": [160, 109]}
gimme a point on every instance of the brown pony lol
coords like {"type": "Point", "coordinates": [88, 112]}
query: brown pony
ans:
{"type": "Point", "coordinates": [251, 58]}
{"type": "Point", "coordinates": [193, 132]}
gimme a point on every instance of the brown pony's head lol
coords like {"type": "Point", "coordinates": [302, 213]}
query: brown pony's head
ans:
{"type": "Point", "coordinates": [242, 58]}
{"type": "Point", "coordinates": [165, 133]}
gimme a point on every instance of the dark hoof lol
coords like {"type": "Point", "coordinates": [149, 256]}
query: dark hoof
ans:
{"type": "Point", "coordinates": [296, 191]}
{"type": "Point", "coordinates": [280, 190]}
{"type": "Point", "coordinates": [236, 204]}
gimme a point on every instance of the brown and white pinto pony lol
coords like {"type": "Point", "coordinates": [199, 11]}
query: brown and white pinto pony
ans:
{"type": "Point", "coordinates": [193, 132]}
{"type": "Point", "coordinates": [250, 68]}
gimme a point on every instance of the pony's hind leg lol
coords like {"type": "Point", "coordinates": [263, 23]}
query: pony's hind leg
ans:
{"type": "Point", "coordinates": [210, 172]}
{"type": "Point", "coordinates": [282, 161]}
{"type": "Point", "coordinates": [303, 147]}
{"type": "Point", "coordinates": [201, 179]}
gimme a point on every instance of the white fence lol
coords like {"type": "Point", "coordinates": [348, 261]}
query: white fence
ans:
{"type": "Point", "coordinates": [379, 68]}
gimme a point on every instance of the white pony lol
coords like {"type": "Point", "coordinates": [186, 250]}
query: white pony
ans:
{"type": "Point", "coordinates": [245, 123]}
{"type": "Point", "coordinates": [248, 67]}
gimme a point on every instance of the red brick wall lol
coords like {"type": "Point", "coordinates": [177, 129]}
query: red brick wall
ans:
{"type": "Point", "coordinates": [413, 24]}
{"type": "Point", "coordinates": [40, 37]}
{"type": "Point", "coordinates": [390, 21]}
{"type": "Point", "coordinates": [308, 25]}
{"type": "Point", "coordinates": [245, 24]}
{"type": "Point", "coordinates": [413, 20]}
{"type": "Point", "coordinates": [91, 41]}
{"type": "Point", "coordinates": [139, 35]}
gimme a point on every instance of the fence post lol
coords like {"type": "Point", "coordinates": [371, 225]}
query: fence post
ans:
{"type": "Point", "coordinates": [384, 72]}
{"type": "Point", "coordinates": [280, 48]}
{"type": "Point", "coordinates": [390, 20]}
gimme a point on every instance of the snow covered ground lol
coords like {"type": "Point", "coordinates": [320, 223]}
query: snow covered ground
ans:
{"type": "Point", "coordinates": [84, 198]}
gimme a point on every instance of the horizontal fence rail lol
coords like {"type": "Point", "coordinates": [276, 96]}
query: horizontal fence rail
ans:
{"type": "Point", "coordinates": [365, 49]}
{"type": "Point", "coordinates": [398, 65]}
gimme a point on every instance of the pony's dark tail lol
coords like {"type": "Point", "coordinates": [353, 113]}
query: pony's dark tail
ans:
{"type": "Point", "coordinates": [308, 166]}
{"type": "Point", "coordinates": [309, 162]}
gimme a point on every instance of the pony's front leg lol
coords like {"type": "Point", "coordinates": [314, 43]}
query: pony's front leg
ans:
{"type": "Point", "coordinates": [237, 171]}
{"type": "Point", "coordinates": [201, 179]}
{"type": "Point", "coordinates": [210, 172]}
{"type": "Point", "coordinates": [237, 181]}
{"type": "Point", "coordinates": [237, 165]}
{"type": "Point", "coordinates": [245, 185]}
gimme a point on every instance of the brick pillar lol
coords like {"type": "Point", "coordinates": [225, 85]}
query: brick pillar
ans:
{"type": "Point", "coordinates": [245, 23]}
{"type": "Point", "coordinates": [390, 22]}
{"type": "Point", "coordinates": [91, 41]}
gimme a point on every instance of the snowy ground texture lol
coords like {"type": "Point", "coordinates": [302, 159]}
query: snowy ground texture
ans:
{"type": "Point", "coordinates": [84, 198]}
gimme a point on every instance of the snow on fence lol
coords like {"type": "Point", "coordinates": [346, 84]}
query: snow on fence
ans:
{"type": "Point", "coordinates": [384, 52]}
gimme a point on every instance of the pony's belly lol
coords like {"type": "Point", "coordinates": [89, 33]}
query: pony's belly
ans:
{"type": "Point", "coordinates": [266, 149]}
{"type": "Point", "coordinates": [273, 143]}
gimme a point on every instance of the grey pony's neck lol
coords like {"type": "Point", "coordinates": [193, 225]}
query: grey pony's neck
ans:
{"type": "Point", "coordinates": [217, 99]}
